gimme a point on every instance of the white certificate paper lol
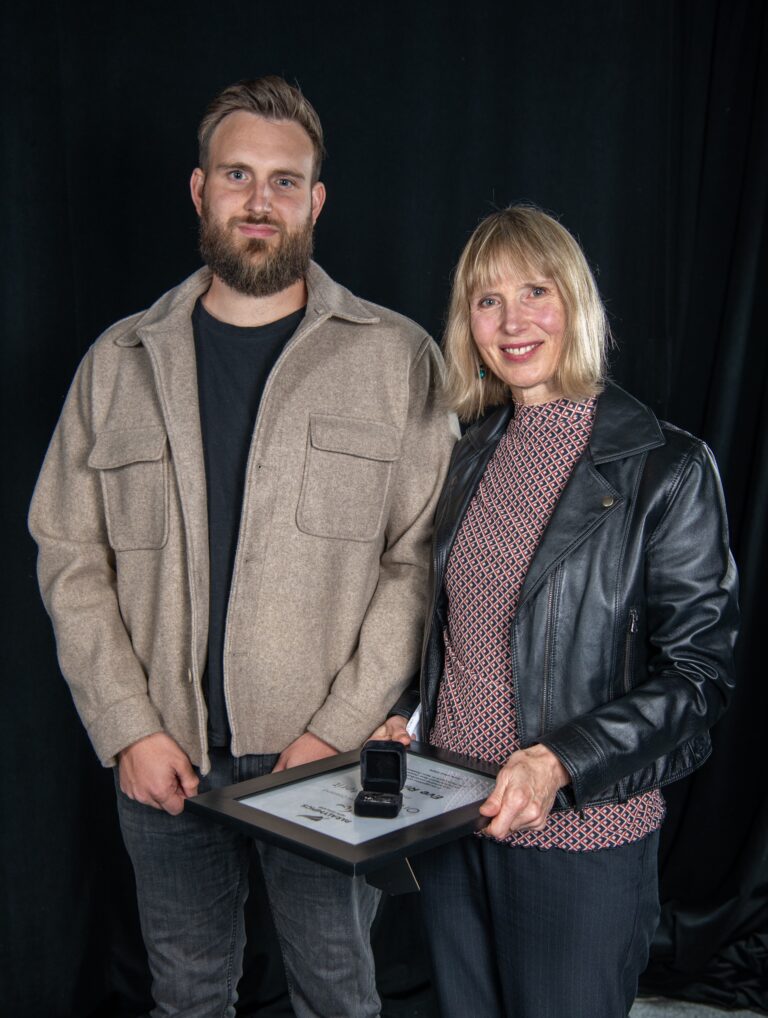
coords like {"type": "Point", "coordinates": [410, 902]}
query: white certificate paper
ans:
{"type": "Point", "coordinates": [325, 802]}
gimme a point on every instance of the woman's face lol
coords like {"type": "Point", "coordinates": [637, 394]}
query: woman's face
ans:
{"type": "Point", "coordinates": [518, 327]}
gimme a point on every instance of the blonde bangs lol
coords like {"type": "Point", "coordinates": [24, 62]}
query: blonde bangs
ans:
{"type": "Point", "coordinates": [500, 251]}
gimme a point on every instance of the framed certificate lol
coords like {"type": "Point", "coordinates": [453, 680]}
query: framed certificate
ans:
{"type": "Point", "coordinates": [309, 809]}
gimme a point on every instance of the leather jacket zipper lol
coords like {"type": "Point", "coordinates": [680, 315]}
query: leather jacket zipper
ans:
{"type": "Point", "coordinates": [629, 648]}
{"type": "Point", "coordinates": [549, 640]}
{"type": "Point", "coordinates": [629, 660]}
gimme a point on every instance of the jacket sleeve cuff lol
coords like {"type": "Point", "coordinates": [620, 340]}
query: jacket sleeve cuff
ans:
{"type": "Point", "coordinates": [123, 724]}
{"type": "Point", "coordinates": [340, 725]}
{"type": "Point", "coordinates": [581, 757]}
{"type": "Point", "coordinates": [406, 705]}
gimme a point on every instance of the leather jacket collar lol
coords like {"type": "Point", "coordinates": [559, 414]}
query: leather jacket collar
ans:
{"type": "Point", "coordinates": [623, 426]}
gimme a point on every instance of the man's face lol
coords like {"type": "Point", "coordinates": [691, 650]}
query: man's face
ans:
{"type": "Point", "coordinates": [257, 204]}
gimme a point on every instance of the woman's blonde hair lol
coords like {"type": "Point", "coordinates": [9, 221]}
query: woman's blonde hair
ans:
{"type": "Point", "coordinates": [522, 238]}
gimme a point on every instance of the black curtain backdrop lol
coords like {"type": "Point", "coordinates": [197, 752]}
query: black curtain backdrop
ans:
{"type": "Point", "coordinates": [642, 123]}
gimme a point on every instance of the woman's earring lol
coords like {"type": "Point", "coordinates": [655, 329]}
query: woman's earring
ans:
{"type": "Point", "coordinates": [480, 372]}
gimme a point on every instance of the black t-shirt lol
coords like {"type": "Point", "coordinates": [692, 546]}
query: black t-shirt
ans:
{"type": "Point", "coordinates": [233, 364]}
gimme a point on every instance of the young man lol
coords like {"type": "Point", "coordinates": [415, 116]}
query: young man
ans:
{"type": "Point", "coordinates": [233, 520]}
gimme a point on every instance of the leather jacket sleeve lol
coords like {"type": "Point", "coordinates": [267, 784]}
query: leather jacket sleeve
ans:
{"type": "Point", "coordinates": [689, 631]}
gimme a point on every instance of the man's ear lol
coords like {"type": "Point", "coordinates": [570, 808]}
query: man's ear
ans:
{"type": "Point", "coordinates": [318, 199]}
{"type": "Point", "coordinates": [196, 186]}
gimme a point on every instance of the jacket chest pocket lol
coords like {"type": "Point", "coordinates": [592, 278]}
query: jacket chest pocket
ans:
{"type": "Point", "coordinates": [347, 472]}
{"type": "Point", "coordinates": [134, 482]}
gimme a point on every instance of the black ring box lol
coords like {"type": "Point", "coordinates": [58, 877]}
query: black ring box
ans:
{"type": "Point", "coordinates": [383, 769]}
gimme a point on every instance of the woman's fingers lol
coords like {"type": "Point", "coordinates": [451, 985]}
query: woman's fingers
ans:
{"type": "Point", "coordinates": [525, 792]}
{"type": "Point", "coordinates": [394, 729]}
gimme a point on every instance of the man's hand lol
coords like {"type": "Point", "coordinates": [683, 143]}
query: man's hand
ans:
{"type": "Point", "coordinates": [394, 730]}
{"type": "Point", "coordinates": [303, 750]}
{"type": "Point", "coordinates": [525, 791]}
{"type": "Point", "coordinates": [157, 772]}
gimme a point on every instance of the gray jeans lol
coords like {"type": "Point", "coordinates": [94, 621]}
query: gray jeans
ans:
{"type": "Point", "coordinates": [192, 882]}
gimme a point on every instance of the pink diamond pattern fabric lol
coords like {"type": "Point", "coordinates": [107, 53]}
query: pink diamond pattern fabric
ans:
{"type": "Point", "coordinates": [484, 576]}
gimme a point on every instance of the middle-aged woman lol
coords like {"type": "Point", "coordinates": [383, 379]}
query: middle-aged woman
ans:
{"type": "Point", "coordinates": [580, 635]}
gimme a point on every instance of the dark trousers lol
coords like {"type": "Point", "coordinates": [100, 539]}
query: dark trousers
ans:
{"type": "Point", "coordinates": [192, 882]}
{"type": "Point", "coordinates": [523, 933]}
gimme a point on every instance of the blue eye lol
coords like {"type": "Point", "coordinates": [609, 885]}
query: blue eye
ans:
{"type": "Point", "coordinates": [285, 182]}
{"type": "Point", "coordinates": [537, 291]}
{"type": "Point", "coordinates": [237, 175]}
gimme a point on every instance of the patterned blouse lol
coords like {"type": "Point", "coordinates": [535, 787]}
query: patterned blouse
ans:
{"type": "Point", "coordinates": [486, 569]}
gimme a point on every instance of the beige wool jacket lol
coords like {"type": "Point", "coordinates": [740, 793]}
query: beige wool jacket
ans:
{"type": "Point", "coordinates": [329, 585]}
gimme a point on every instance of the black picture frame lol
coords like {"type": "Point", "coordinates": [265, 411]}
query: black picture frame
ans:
{"type": "Point", "coordinates": [224, 805]}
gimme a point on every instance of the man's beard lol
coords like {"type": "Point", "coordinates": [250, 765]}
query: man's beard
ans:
{"type": "Point", "coordinates": [277, 268]}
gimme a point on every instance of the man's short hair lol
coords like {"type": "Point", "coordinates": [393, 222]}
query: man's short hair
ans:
{"type": "Point", "coordinates": [270, 97]}
{"type": "Point", "coordinates": [523, 238]}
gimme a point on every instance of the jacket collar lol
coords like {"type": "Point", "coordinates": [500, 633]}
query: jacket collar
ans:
{"type": "Point", "coordinates": [622, 427]}
{"type": "Point", "coordinates": [325, 298]}
{"type": "Point", "coordinates": [489, 429]}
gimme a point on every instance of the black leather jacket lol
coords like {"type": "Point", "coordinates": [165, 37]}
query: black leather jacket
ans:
{"type": "Point", "coordinates": [622, 643]}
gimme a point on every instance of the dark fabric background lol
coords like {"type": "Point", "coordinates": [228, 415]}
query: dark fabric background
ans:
{"type": "Point", "coordinates": [643, 124]}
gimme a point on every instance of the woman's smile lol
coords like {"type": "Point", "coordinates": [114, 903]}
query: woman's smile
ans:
{"type": "Point", "coordinates": [518, 326]}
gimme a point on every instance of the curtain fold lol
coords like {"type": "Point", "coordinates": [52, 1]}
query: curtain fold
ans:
{"type": "Point", "coordinates": [712, 944]}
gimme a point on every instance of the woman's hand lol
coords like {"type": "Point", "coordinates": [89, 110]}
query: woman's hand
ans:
{"type": "Point", "coordinates": [394, 729]}
{"type": "Point", "coordinates": [525, 791]}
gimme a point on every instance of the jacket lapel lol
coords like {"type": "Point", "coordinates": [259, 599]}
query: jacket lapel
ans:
{"type": "Point", "coordinates": [586, 502]}
{"type": "Point", "coordinates": [623, 427]}
{"type": "Point", "coordinates": [470, 458]}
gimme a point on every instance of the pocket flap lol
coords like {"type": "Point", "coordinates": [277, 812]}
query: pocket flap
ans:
{"type": "Point", "coordinates": [119, 448]}
{"type": "Point", "coordinates": [371, 440]}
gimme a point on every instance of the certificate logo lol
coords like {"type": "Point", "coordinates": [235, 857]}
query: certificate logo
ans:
{"type": "Point", "coordinates": [318, 813]}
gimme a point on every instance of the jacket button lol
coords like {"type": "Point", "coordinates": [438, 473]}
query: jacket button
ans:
{"type": "Point", "coordinates": [608, 501]}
